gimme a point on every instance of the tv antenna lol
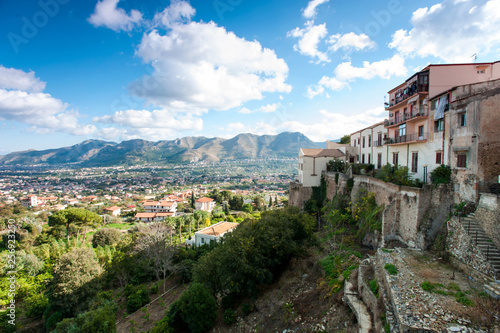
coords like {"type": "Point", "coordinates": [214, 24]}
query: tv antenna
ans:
{"type": "Point", "coordinates": [474, 56]}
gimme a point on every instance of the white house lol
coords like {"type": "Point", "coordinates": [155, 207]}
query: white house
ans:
{"type": "Point", "coordinates": [114, 210]}
{"type": "Point", "coordinates": [206, 204]}
{"type": "Point", "coordinates": [213, 232]}
{"type": "Point", "coordinates": [313, 161]}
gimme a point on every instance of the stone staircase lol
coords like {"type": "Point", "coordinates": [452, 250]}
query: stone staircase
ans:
{"type": "Point", "coordinates": [487, 247]}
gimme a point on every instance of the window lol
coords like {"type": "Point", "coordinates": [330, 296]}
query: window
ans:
{"type": "Point", "coordinates": [358, 141]}
{"type": "Point", "coordinates": [481, 71]}
{"type": "Point", "coordinates": [363, 159]}
{"type": "Point", "coordinates": [379, 139]}
{"type": "Point", "coordinates": [461, 160]}
{"type": "Point", "coordinates": [402, 131]}
{"type": "Point", "coordinates": [351, 159]}
{"type": "Point", "coordinates": [363, 142]}
{"type": "Point", "coordinates": [369, 158]}
{"type": "Point", "coordinates": [421, 132]}
{"type": "Point", "coordinates": [414, 162]}
{"type": "Point", "coordinates": [396, 117]}
{"type": "Point", "coordinates": [395, 158]}
{"type": "Point", "coordinates": [439, 159]}
{"type": "Point", "coordinates": [369, 140]}
{"type": "Point", "coordinates": [438, 125]}
{"type": "Point", "coordinates": [462, 119]}
{"type": "Point", "coordinates": [379, 160]}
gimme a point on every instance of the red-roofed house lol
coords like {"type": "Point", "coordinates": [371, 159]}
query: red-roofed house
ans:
{"type": "Point", "coordinates": [206, 204]}
{"type": "Point", "coordinates": [213, 233]}
{"type": "Point", "coordinates": [114, 210]}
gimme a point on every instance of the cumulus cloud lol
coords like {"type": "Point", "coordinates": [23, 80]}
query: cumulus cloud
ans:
{"type": "Point", "coordinates": [199, 66]}
{"type": "Point", "coordinates": [335, 125]}
{"type": "Point", "coordinates": [309, 38]}
{"type": "Point", "coordinates": [350, 42]}
{"type": "Point", "coordinates": [270, 107]}
{"type": "Point", "coordinates": [22, 100]}
{"type": "Point", "coordinates": [178, 12]}
{"type": "Point", "coordinates": [310, 11]}
{"type": "Point", "coordinates": [107, 14]}
{"type": "Point", "coordinates": [153, 125]}
{"type": "Point", "coordinates": [346, 72]}
{"type": "Point", "coordinates": [11, 78]}
{"type": "Point", "coordinates": [451, 30]}
{"type": "Point", "coordinates": [245, 111]}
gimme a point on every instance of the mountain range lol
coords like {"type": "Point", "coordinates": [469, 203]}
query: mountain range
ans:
{"type": "Point", "coordinates": [134, 152]}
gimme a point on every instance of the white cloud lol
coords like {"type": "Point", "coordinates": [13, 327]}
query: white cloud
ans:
{"type": "Point", "coordinates": [270, 107]}
{"type": "Point", "coordinates": [178, 12]}
{"type": "Point", "coordinates": [384, 69]}
{"type": "Point", "coordinates": [22, 100]}
{"type": "Point", "coordinates": [335, 125]}
{"type": "Point", "coordinates": [245, 111]}
{"type": "Point", "coordinates": [310, 11]}
{"type": "Point", "coordinates": [11, 78]}
{"type": "Point", "coordinates": [309, 38]}
{"type": "Point", "coordinates": [451, 30]}
{"type": "Point", "coordinates": [345, 73]}
{"type": "Point", "coordinates": [107, 15]}
{"type": "Point", "coordinates": [350, 41]}
{"type": "Point", "coordinates": [200, 66]}
{"type": "Point", "coordinates": [153, 125]}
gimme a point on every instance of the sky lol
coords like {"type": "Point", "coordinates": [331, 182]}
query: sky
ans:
{"type": "Point", "coordinates": [117, 70]}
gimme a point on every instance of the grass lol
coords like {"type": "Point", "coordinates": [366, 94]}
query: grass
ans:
{"type": "Point", "coordinates": [451, 290]}
{"type": "Point", "coordinates": [391, 269]}
{"type": "Point", "coordinates": [119, 226]}
{"type": "Point", "coordinates": [374, 287]}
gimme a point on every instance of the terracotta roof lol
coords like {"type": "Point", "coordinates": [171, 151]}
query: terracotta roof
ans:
{"type": "Point", "coordinates": [218, 229]}
{"type": "Point", "coordinates": [204, 199]}
{"type": "Point", "coordinates": [150, 203]}
{"type": "Point", "coordinates": [166, 203]}
{"type": "Point", "coordinates": [144, 215]}
{"type": "Point", "coordinates": [165, 214]}
{"type": "Point", "coordinates": [112, 208]}
{"type": "Point", "coordinates": [322, 153]}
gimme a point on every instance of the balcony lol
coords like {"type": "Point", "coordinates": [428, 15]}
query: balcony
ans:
{"type": "Point", "coordinates": [378, 143]}
{"type": "Point", "coordinates": [404, 94]}
{"type": "Point", "coordinates": [407, 138]}
{"type": "Point", "coordinates": [416, 113]}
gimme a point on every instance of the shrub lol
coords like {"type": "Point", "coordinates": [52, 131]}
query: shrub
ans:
{"type": "Point", "coordinates": [391, 269]}
{"type": "Point", "coordinates": [229, 317]}
{"type": "Point", "coordinates": [100, 320]}
{"type": "Point", "coordinates": [137, 300]}
{"type": "Point", "coordinates": [247, 308]}
{"type": "Point", "coordinates": [154, 289]}
{"type": "Point", "coordinates": [36, 305]}
{"type": "Point", "coordinates": [427, 286]}
{"type": "Point", "coordinates": [374, 287]}
{"type": "Point", "coordinates": [441, 174]}
{"type": "Point", "coordinates": [196, 307]}
{"type": "Point", "coordinates": [106, 236]}
{"type": "Point", "coordinates": [53, 320]}
{"type": "Point", "coordinates": [336, 165]}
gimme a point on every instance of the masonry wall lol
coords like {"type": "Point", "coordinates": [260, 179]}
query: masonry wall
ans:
{"type": "Point", "coordinates": [411, 215]}
{"type": "Point", "coordinates": [298, 194]}
{"type": "Point", "coordinates": [488, 216]}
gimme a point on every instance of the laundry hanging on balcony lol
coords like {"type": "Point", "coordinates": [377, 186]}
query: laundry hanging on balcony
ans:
{"type": "Point", "coordinates": [439, 113]}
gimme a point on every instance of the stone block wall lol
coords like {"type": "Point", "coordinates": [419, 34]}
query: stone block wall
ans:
{"type": "Point", "coordinates": [462, 247]}
{"type": "Point", "coordinates": [488, 216]}
{"type": "Point", "coordinates": [298, 194]}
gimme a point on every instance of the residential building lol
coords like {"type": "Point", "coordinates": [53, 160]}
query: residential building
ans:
{"type": "Point", "coordinates": [415, 127]}
{"type": "Point", "coordinates": [213, 233]}
{"type": "Point", "coordinates": [30, 201]}
{"type": "Point", "coordinates": [206, 204]}
{"type": "Point", "coordinates": [162, 206]}
{"type": "Point", "coordinates": [113, 210]}
{"type": "Point", "coordinates": [312, 162]}
{"type": "Point", "coordinates": [368, 145]}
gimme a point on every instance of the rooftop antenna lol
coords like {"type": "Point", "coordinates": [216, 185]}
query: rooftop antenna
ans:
{"type": "Point", "coordinates": [474, 56]}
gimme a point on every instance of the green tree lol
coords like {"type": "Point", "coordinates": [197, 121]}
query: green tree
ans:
{"type": "Point", "coordinates": [189, 221]}
{"type": "Point", "coordinates": [74, 219]}
{"type": "Point", "coordinates": [345, 140]}
{"type": "Point", "coordinates": [75, 280]}
{"type": "Point", "coordinates": [106, 236]}
{"type": "Point", "coordinates": [171, 223]}
{"type": "Point", "coordinates": [196, 307]}
{"type": "Point", "coordinates": [180, 224]}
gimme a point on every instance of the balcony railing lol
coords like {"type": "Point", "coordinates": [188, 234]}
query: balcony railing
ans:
{"type": "Point", "coordinates": [407, 93]}
{"type": "Point", "coordinates": [407, 138]}
{"type": "Point", "coordinates": [378, 143]}
{"type": "Point", "coordinates": [414, 114]}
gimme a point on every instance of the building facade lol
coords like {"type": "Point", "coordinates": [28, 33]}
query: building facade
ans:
{"type": "Point", "coordinates": [312, 162]}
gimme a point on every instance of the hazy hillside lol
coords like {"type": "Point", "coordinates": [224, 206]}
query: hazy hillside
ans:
{"type": "Point", "coordinates": [102, 153]}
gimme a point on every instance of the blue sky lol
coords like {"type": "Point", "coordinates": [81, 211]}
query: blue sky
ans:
{"type": "Point", "coordinates": [118, 70]}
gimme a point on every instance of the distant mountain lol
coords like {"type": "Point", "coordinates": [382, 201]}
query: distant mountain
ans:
{"type": "Point", "coordinates": [133, 152]}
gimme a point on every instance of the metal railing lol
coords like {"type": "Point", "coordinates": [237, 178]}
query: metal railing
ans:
{"type": "Point", "coordinates": [408, 138]}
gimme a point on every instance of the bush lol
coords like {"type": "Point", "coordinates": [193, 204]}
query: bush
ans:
{"type": "Point", "coordinates": [374, 287]}
{"type": "Point", "coordinates": [229, 317]}
{"type": "Point", "coordinates": [441, 174]}
{"type": "Point", "coordinates": [100, 320]}
{"type": "Point", "coordinates": [53, 320]}
{"type": "Point", "coordinates": [36, 305]}
{"type": "Point", "coordinates": [154, 289]}
{"type": "Point", "coordinates": [196, 307]}
{"type": "Point", "coordinates": [336, 165]}
{"type": "Point", "coordinates": [391, 269]}
{"type": "Point", "coordinates": [106, 236]}
{"type": "Point", "coordinates": [247, 308]}
{"type": "Point", "coordinates": [137, 300]}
